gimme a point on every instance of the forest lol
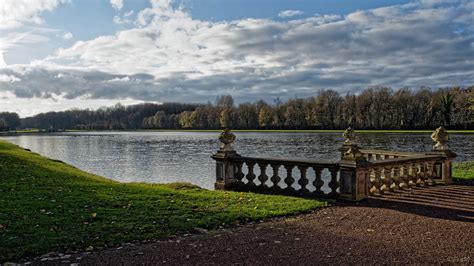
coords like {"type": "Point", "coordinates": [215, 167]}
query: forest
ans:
{"type": "Point", "coordinates": [373, 108]}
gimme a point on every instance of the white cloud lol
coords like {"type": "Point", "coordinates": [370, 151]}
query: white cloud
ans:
{"type": "Point", "coordinates": [129, 13]}
{"type": "Point", "coordinates": [25, 107]}
{"type": "Point", "coordinates": [2, 61]}
{"type": "Point", "coordinates": [125, 19]}
{"type": "Point", "coordinates": [67, 36]}
{"type": "Point", "coordinates": [7, 78]}
{"type": "Point", "coordinates": [15, 13]}
{"type": "Point", "coordinates": [172, 57]}
{"type": "Point", "coordinates": [290, 13]}
{"type": "Point", "coordinates": [13, 40]}
{"type": "Point", "coordinates": [116, 4]}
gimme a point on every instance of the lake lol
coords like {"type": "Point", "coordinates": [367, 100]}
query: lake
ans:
{"type": "Point", "coordinates": [162, 157]}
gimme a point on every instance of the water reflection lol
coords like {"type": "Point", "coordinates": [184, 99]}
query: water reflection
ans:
{"type": "Point", "coordinates": [162, 157]}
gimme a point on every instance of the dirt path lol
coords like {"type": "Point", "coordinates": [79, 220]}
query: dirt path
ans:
{"type": "Point", "coordinates": [375, 231]}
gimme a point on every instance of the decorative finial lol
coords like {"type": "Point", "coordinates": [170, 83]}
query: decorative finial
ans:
{"type": "Point", "coordinates": [349, 135]}
{"type": "Point", "coordinates": [227, 138]}
{"type": "Point", "coordinates": [440, 136]}
{"type": "Point", "coordinates": [353, 154]}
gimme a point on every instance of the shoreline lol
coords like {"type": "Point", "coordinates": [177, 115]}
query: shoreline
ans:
{"type": "Point", "coordinates": [49, 205]}
{"type": "Point", "coordinates": [363, 131]}
{"type": "Point", "coordinates": [98, 210]}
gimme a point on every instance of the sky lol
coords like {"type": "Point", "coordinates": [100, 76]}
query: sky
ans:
{"type": "Point", "coordinates": [61, 54]}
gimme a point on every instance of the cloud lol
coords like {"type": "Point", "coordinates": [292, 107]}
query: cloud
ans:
{"type": "Point", "coordinates": [125, 19]}
{"type": "Point", "coordinates": [7, 78]}
{"type": "Point", "coordinates": [290, 13]}
{"type": "Point", "coordinates": [15, 13]}
{"type": "Point", "coordinates": [30, 106]}
{"type": "Point", "coordinates": [116, 4]}
{"type": "Point", "coordinates": [129, 13]}
{"type": "Point", "coordinates": [12, 40]}
{"type": "Point", "coordinates": [170, 56]}
{"type": "Point", "coordinates": [67, 36]}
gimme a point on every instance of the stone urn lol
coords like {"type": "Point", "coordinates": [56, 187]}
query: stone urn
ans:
{"type": "Point", "coordinates": [441, 137]}
{"type": "Point", "coordinates": [226, 138]}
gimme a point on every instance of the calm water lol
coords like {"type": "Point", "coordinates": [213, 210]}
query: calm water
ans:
{"type": "Point", "coordinates": [162, 157]}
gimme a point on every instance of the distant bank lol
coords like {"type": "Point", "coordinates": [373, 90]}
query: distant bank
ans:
{"type": "Point", "coordinates": [37, 131]}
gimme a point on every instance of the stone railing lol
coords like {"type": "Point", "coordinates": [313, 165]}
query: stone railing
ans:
{"type": "Point", "coordinates": [373, 155]}
{"type": "Point", "coordinates": [395, 174]}
{"type": "Point", "coordinates": [360, 172]}
{"type": "Point", "coordinates": [279, 176]}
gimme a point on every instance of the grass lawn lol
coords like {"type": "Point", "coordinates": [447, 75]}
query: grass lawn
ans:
{"type": "Point", "coordinates": [47, 205]}
{"type": "Point", "coordinates": [463, 170]}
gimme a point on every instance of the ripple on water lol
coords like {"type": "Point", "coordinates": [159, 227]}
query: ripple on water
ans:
{"type": "Point", "coordinates": [162, 157]}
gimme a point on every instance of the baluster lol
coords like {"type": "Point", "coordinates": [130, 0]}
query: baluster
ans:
{"type": "Point", "coordinates": [430, 173]}
{"type": "Point", "coordinates": [239, 175]}
{"type": "Point", "coordinates": [263, 177]}
{"type": "Point", "coordinates": [404, 176]}
{"type": "Point", "coordinates": [303, 180]}
{"type": "Point", "coordinates": [370, 180]}
{"type": "Point", "coordinates": [275, 177]}
{"type": "Point", "coordinates": [333, 184]}
{"type": "Point", "coordinates": [289, 178]}
{"type": "Point", "coordinates": [437, 169]}
{"type": "Point", "coordinates": [420, 174]}
{"type": "Point", "coordinates": [375, 182]}
{"type": "Point", "coordinates": [413, 175]}
{"type": "Point", "coordinates": [377, 157]}
{"type": "Point", "coordinates": [250, 175]}
{"type": "Point", "coordinates": [395, 179]}
{"type": "Point", "coordinates": [386, 180]}
{"type": "Point", "coordinates": [318, 182]}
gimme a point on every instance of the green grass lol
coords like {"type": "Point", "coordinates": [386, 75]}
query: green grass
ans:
{"type": "Point", "coordinates": [463, 170]}
{"type": "Point", "coordinates": [47, 205]}
{"type": "Point", "coordinates": [33, 130]}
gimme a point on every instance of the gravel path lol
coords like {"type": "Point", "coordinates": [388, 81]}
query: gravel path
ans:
{"type": "Point", "coordinates": [399, 229]}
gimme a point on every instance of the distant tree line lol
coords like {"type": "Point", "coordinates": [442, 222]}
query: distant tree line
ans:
{"type": "Point", "coordinates": [373, 108]}
{"type": "Point", "coordinates": [104, 118]}
{"type": "Point", "coordinates": [9, 121]}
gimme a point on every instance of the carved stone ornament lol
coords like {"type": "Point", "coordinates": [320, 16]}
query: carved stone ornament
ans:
{"type": "Point", "coordinates": [226, 138]}
{"type": "Point", "coordinates": [440, 136]}
{"type": "Point", "coordinates": [349, 135]}
{"type": "Point", "coordinates": [353, 154]}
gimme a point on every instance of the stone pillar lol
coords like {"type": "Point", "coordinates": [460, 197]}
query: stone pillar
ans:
{"type": "Point", "coordinates": [354, 177]}
{"type": "Point", "coordinates": [225, 168]}
{"type": "Point", "coordinates": [441, 137]}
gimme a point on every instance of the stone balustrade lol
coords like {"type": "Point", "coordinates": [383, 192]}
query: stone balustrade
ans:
{"type": "Point", "coordinates": [359, 174]}
{"type": "Point", "coordinates": [394, 174]}
{"type": "Point", "coordinates": [278, 176]}
{"type": "Point", "coordinates": [373, 155]}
